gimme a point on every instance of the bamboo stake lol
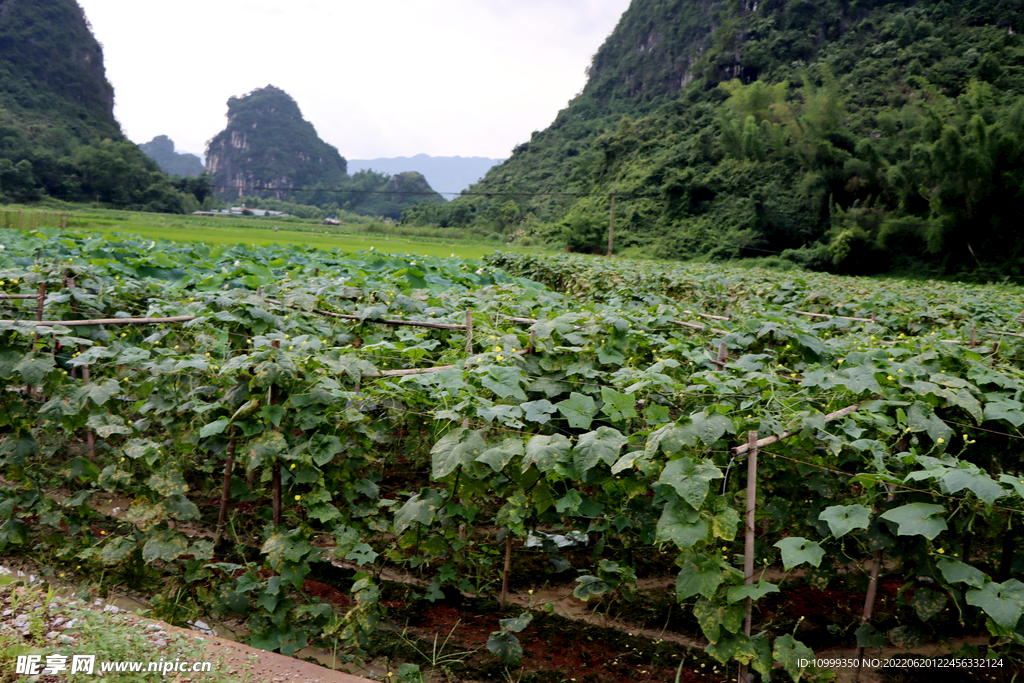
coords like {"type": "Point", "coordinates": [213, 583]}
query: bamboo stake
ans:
{"type": "Point", "coordinates": [229, 465]}
{"type": "Point", "coordinates": [35, 336]}
{"type": "Point", "coordinates": [611, 222]}
{"type": "Point", "coordinates": [769, 440]}
{"type": "Point", "coordinates": [108, 321]}
{"type": "Point", "coordinates": [90, 439]}
{"type": "Point", "coordinates": [695, 326]}
{"type": "Point", "coordinates": [19, 296]}
{"type": "Point", "coordinates": [869, 597]}
{"type": "Point", "coordinates": [748, 553]}
{"type": "Point", "coordinates": [469, 331]}
{"type": "Point", "coordinates": [508, 566]}
{"type": "Point", "coordinates": [276, 469]}
{"type": "Point", "coordinates": [826, 315]}
{"type": "Point", "coordinates": [382, 321]}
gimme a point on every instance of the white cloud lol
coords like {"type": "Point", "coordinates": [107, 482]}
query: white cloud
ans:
{"type": "Point", "coordinates": [447, 77]}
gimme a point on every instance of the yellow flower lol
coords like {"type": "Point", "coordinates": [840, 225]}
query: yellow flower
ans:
{"type": "Point", "coordinates": [941, 440]}
{"type": "Point", "coordinates": [890, 378]}
{"type": "Point", "coordinates": [500, 357]}
{"type": "Point", "coordinates": [292, 467]}
{"type": "Point", "coordinates": [298, 497]}
{"type": "Point", "coordinates": [498, 349]}
{"type": "Point", "coordinates": [941, 551]}
{"type": "Point", "coordinates": [842, 360]}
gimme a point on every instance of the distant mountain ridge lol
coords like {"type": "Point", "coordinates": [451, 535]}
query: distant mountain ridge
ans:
{"type": "Point", "coordinates": [448, 175]}
{"type": "Point", "coordinates": [269, 151]}
{"type": "Point", "coordinates": [161, 150]}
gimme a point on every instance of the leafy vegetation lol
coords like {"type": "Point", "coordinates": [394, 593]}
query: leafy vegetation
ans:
{"type": "Point", "coordinates": [854, 137]}
{"type": "Point", "coordinates": [606, 417]}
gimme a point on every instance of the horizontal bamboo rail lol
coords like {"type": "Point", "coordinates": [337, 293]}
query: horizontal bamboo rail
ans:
{"type": "Point", "coordinates": [19, 296]}
{"type": "Point", "coordinates": [103, 321]}
{"type": "Point", "coordinates": [768, 440]}
{"type": "Point", "coordinates": [382, 321]}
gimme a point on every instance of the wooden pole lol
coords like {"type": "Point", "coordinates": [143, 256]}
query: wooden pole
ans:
{"type": "Point", "coordinates": [35, 336]}
{"type": "Point", "coordinates": [276, 470]}
{"type": "Point", "coordinates": [769, 440]}
{"type": "Point", "coordinates": [748, 553]}
{"type": "Point", "coordinates": [469, 331]}
{"type": "Point", "coordinates": [508, 566]}
{"type": "Point", "coordinates": [90, 439]}
{"type": "Point", "coordinates": [107, 321]}
{"type": "Point", "coordinates": [225, 493]}
{"type": "Point", "coordinates": [611, 222]}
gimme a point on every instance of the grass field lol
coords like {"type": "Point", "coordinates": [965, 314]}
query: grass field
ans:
{"type": "Point", "coordinates": [244, 230]}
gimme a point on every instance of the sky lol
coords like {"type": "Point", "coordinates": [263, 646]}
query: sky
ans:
{"type": "Point", "coordinates": [376, 79]}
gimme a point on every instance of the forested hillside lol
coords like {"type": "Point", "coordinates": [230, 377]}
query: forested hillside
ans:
{"type": "Point", "coordinates": [58, 135]}
{"type": "Point", "coordinates": [269, 150]}
{"type": "Point", "coordinates": [856, 136]}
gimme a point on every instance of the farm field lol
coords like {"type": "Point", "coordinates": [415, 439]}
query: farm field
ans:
{"type": "Point", "coordinates": [260, 231]}
{"type": "Point", "coordinates": [529, 467]}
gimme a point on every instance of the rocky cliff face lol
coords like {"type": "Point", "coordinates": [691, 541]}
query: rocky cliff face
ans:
{"type": "Point", "coordinates": [268, 149]}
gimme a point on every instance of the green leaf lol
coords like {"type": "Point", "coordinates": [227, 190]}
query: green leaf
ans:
{"type": "Point", "coordinates": [106, 424]}
{"type": "Point", "coordinates": [670, 439]}
{"type": "Point", "coordinates": [978, 483]}
{"type": "Point", "coordinates": [498, 456]}
{"type": "Point", "coordinates": [681, 525]}
{"type": "Point", "coordinates": [116, 550]}
{"type": "Point", "coordinates": [166, 545]}
{"type": "Point", "coordinates": [458, 447]}
{"type": "Point", "coordinates": [421, 509]}
{"type": "Point", "coordinates": [138, 448]}
{"type": "Point", "coordinates": [700, 575]}
{"type": "Point", "coordinates": [590, 587]}
{"type": "Point", "coordinates": [578, 409]}
{"type": "Point", "coordinates": [917, 519]}
{"type": "Point", "coordinates": [921, 418]}
{"type": "Point", "coordinates": [732, 646]}
{"type": "Point", "coordinates": [538, 411]}
{"type": "Point", "coordinates": [504, 382]}
{"type": "Point", "coordinates": [927, 602]}
{"type": "Point", "coordinates": [1003, 602]}
{"type": "Point", "coordinates": [690, 479]}
{"type": "Point", "coordinates": [1016, 482]}
{"type": "Point", "coordinates": [361, 554]}
{"type": "Point", "coordinates": [1011, 411]}
{"type": "Point", "coordinates": [796, 550]}
{"type": "Point", "coordinates": [169, 482]}
{"type": "Point", "coordinates": [34, 369]}
{"type": "Point", "coordinates": [506, 647]}
{"type": "Point", "coordinates": [617, 406]}
{"type": "Point", "coordinates": [753, 591]}
{"type": "Point", "coordinates": [762, 662]}
{"type": "Point", "coordinates": [101, 392]}
{"type": "Point", "coordinates": [788, 651]}
{"type": "Point", "coordinates": [905, 637]}
{"type": "Point", "coordinates": [602, 445]}
{"type": "Point", "coordinates": [842, 519]}
{"type": "Point", "coordinates": [710, 428]}
{"type": "Point", "coordinates": [546, 451]}
{"type": "Point", "coordinates": [955, 571]}
{"type": "Point", "coordinates": [267, 447]}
